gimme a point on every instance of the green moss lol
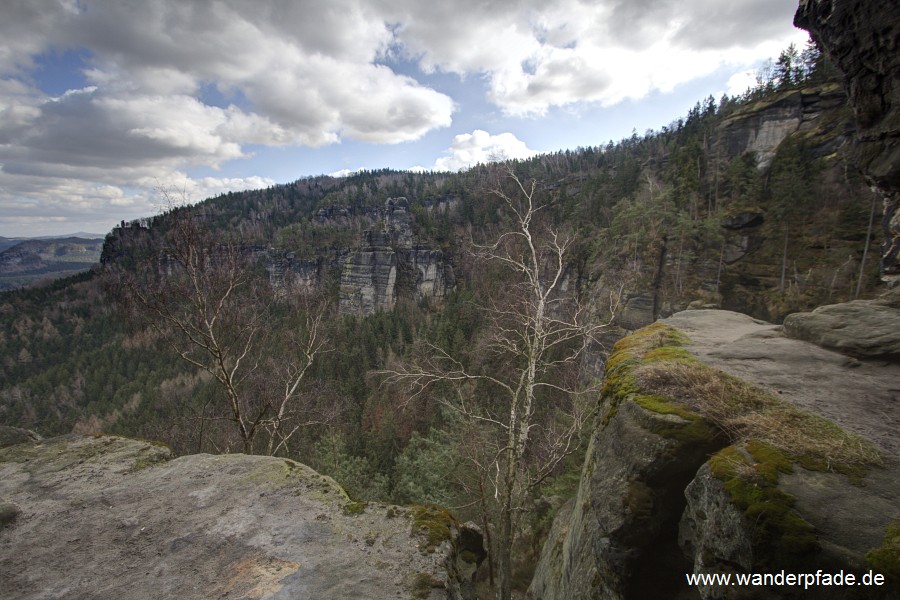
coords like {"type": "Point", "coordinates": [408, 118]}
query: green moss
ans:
{"type": "Point", "coordinates": [770, 461]}
{"type": "Point", "coordinates": [886, 559]}
{"type": "Point", "coordinates": [422, 584]}
{"type": "Point", "coordinates": [669, 353]}
{"type": "Point", "coordinates": [751, 479]}
{"type": "Point", "coordinates": [652, 344]}
{"type": "Point", "coordinates": [769, 436]}
{"type": "Point", "coordinates": [434, 524]}
{"type": "Point", "coordinates": [694, 430]}
{"type": "Point", "coordinates": [354, 508]}
{"type": "Point", "coordinates": [630, 352]}
{"type": "Point", "coordinates": [658, 341]}
{"type": "Point", "coordinates": [143, 462]}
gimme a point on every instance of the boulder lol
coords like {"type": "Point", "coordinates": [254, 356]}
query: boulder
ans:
{"type": "Point", "coordinates": [16, 435]}
{"type": "Point", "coordinates": [859, 327]}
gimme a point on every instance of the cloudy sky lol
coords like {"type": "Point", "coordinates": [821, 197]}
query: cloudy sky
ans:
{"type": "Point", "coordinates": [103, 102]}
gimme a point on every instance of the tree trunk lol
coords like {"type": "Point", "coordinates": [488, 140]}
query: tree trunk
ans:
{"type": "Point", "coordinates": [657, 280]}
{"type": "Point", "coordinates": [505, 533]}
{"type": "Point", "coordinates": [784, 259]}
{"type": "Point", "coordinates": [487, 532]}
{"type": "Point", "coordinates": [862, 266]}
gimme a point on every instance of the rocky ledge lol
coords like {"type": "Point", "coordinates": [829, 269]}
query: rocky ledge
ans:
{"type": "Point", "coordinates": [722, 446]}
{"type": "Point", "coordinates": [109, 517]}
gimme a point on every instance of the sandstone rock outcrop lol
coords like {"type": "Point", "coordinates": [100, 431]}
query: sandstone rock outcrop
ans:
{"type": "Point", "coordinates": [391, 263]}
{"type": "Point", "coordinates": [108, 517]}
{"type": "Point", "coordinates": [862, 37]}
{"type": "Point", "coordinates": [388, 264]}
{"type": "Point", "coordinates": [761, 129]}
{"type": "Point", "coordinates": [702, 462]}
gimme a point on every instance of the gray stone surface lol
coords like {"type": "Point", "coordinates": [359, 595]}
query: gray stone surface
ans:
{"type": "Point", "coordinates": [610, 531]}
{"type": "Point", "coordinates": [107, 517]}
{"type": "Point", "coordinates": [637, 313]}
{"type": "Point", "coordinates": [16, 435]}
{"type": "Point", "coordinates": [862, 396]}
{"type": "Point", "coordinates": [860, 327]}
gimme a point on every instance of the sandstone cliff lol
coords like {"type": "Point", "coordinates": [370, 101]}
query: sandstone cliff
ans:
{"type": "Point", "coordinates": [862, 37]}
{"type": "Point", "coordinates": [109, 517]}
{"type": "Point", "coordinates": [722, 446]}
{"type": "Point", "coordinates": [741, 269]}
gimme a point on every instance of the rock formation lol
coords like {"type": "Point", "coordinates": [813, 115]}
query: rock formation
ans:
{"type": "Point", "coordinates": [761, 129]}
{"type": "Point", "coordinates": [391, 263]}
{"type": "Point", "coordinates": [862, 37]}
{"type": "Point", "coordinates": [108, 517]}
{"type": "Point", "coordinates": [722, 446]}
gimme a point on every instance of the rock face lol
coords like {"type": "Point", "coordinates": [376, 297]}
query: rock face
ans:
{"type": "Point", "coordinates": [862, 37]}
{"type": "Point", "coordinates": [390, 264]}
{"type": "Point", "coordinates": [637, 313]}
{"type": "Point", "coordinates": [761, 129]}
{"type": "Point", "coordinates": [108, 517]}
{"type": "Point", "coordinates": [369, 277]}
{"type": "Point", "coordinates": [667, 490]}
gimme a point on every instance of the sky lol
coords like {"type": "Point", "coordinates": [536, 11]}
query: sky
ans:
{"type": "Point", "coordinates": [106, 103]}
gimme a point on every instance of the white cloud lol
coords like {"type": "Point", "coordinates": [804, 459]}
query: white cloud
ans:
{"type": "Point", "coordinates": [308, 73]}
{"type": "Point", "coordinates": [538, 54]}
{"type": "Point", "coordinates": [470, 149]}
{"type": "Point", "coordinates": [32, 204]}
{"type": "Point", "coordinates": [344, 172]}
{"type": "Point", "coordinates": [740, 82]}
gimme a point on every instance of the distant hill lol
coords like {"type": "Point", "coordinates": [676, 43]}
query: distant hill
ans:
{"type": "Point", "coordinates": [23, 262]}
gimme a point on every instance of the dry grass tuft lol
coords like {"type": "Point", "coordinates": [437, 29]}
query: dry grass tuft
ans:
{"type": "Point", "coordinates": [745, 412]}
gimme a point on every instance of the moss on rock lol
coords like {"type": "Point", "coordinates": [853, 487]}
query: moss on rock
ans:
{"type": "Point", "coordinates": [886, 559]}
{"type": "Point", "coordinates": [434, 524]}
{"type": "Point", "coordinates": [750, 476]}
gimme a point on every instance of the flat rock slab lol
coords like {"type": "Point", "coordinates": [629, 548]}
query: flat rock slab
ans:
{"type": "Point", "coordinates": [860, 327]}
{"type": "Point", "coordinates": [108, 517]}
{"type": "Point", "coordinates": [860, 395]}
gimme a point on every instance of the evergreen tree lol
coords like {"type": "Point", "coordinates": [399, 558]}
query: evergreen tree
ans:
{"type": "Point", "coordinates": [787, 67]}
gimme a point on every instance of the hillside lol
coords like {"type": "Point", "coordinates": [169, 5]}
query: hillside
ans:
{"type": "Point", "coordinates": [24, 262]}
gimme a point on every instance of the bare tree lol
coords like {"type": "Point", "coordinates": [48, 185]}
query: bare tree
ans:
{"type": "Point", "coordinates": [208, 301]}
{"type": "Point", "coordinates": [524, 386]}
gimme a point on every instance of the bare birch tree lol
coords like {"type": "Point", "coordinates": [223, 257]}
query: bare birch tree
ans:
{"type": "Point", "coordinates": [208, 302]}
{"type": "Point", "coordinates": [525, 386]}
